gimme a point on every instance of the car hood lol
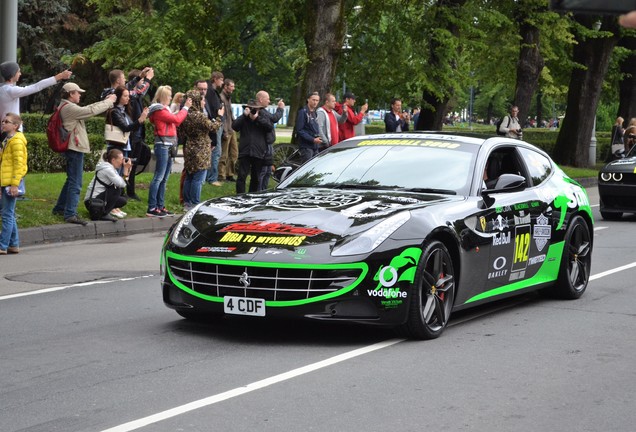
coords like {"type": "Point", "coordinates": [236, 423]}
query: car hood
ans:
{"type": "Point", "coordinates": [294, 217]}
{"type": "Point", "coordinates": [626, 165]}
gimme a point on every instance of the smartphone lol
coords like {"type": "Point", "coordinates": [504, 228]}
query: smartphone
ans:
{"type": "Point", "coordinates": [599, 7]}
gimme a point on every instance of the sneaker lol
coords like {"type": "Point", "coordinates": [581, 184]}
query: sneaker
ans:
{"type": "Point", "coordinates": [134, 197]}
{"type": "Point", "coordinates": [118, 213]}
{"type": "Point", "coordinates": [13, 250]}
{"type": "Point", "coordinates": [76, 220]}
{"type": "Point", "coordinates": [230, 179]}
{"type": "Point", "coordinates": [109, 218]}
{"type": "Point", "coordinates": [167, 212]}
{"type": "Point", "coordinates": [216, 183]}
{"type": "Point", "coordinates": [155, 213]}
{"type": "Point", "coordinates": [3, 252]}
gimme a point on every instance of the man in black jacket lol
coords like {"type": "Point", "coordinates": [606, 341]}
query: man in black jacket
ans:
{"type": "Point", "coordinates": [213, 104]}
{"type": "Point", "coordinates": [254, 127]}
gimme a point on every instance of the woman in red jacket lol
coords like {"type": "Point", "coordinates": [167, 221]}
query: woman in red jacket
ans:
{"type": "Point", "coordinates": [165, 123]}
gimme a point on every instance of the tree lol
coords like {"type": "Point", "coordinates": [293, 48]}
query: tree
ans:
{"type": "Point", "coordinates": [592, 53]}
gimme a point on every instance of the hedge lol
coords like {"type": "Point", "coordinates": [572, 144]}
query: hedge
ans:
{"type": "Point", "coordinates": [43, 160]}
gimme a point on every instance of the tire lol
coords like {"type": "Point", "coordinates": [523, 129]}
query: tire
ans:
{"type": "Point", "coordinates": [433, 294]}
{"type": "Point", "coordinates": [574, 273]}
{"type": "Point", "coordinates": [282, 152]}
{"type": "Point", "coordinates": [611, 216]}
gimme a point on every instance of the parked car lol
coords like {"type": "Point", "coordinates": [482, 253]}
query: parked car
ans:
{"type": "Point", "coordinates": [617, 187]}
{"type": "Point", "coordinates": [397, 230]}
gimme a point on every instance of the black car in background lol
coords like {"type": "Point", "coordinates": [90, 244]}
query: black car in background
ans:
{"type": "Point", "coordinates": [617, 187]}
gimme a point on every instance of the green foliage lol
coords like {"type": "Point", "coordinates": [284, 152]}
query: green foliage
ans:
{"type": "Point", "coordinates": [43, 160]}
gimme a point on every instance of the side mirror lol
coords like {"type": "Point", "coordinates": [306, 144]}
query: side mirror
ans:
{"type": "Point", "coordinates": [508, 183]}
{"type": "Point", "coordinates": [281, 173]}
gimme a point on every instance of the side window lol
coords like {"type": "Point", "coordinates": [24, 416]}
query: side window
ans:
{"type": "Point", "coordinates": [539, 166]}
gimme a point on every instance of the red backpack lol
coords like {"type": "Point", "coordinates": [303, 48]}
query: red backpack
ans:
{"type": "Point", "coordinates": [56, 134]}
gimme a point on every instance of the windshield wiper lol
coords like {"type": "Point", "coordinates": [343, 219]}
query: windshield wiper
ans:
{"type": "Point", "coordinates": [430, 190]}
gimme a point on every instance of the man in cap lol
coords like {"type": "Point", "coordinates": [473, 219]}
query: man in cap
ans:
{"type": "Point", "coordinates": [10, 93]}
{"type": "Point", "coordinates": [73, 117]}
{"type": "Point", "coordinates": [347, 129]}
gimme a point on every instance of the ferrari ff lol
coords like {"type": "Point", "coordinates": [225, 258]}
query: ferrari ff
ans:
{"type": "Point", "coordinates": [396, 230]}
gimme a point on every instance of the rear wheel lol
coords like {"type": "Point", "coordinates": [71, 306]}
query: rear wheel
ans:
{"type": "Point", "coordinates": [574, 273]}
{"type": "Point", "coordinates": [433, 294]}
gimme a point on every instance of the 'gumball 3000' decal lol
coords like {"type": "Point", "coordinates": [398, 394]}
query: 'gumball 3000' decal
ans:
{"type": "Point", "coordinates": [316, 200]}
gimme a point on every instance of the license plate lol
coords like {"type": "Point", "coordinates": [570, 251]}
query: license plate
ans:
{"type": "Point", "coordinates": [244, 306]}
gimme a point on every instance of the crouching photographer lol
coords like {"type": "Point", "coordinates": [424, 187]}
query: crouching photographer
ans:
{"type": "Point", "coordinates": [104, 196]}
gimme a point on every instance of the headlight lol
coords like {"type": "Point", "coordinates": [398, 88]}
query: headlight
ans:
{"type": "Point", "coordinates": [611, 176]}
{"type": "Point", "coordinates": [372, 238]}
{"type": "Point", "coordinates": [185, 232]}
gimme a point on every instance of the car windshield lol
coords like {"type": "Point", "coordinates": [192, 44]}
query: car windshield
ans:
{"type": "Point", "coordinates": [417, 168]}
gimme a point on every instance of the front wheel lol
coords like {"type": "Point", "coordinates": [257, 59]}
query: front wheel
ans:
{"type": "Point", "coordinates": [433, 294]}
{"type": "Point", "coordinates": [574, 272]}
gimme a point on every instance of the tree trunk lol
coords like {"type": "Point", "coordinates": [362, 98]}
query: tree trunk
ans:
{"type": "Point", "coordinates": [529, 68]}
{"type": "Point", "coordinates": [324, 36]}
{"type": "Point", "coordinates": [435, 101]}
{"type": "Point", "coordinates": [627, 88]}
{"type": "Point", "coordinates": [573, 142]}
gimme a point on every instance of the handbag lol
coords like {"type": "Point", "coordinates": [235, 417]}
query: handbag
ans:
{"type": "Point", "coordinates": [115, 134]}
{"type": "Point", "coordinates": [21, 188]}
{"type": "Point", "coordinates": [96, 206]}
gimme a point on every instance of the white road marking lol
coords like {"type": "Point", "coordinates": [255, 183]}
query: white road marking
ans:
{"type": "Point", "coordinates": [173, 412]}
{"type": "Point", "coordinates": [612, 271]}
{"type": "Point", "coordinates": [61, 288]}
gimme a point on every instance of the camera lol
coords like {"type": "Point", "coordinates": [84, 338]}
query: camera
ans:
{"type": "Point", "coordinates": [602, 7]}
{"type": "Point", "coordinates": [253, 110]}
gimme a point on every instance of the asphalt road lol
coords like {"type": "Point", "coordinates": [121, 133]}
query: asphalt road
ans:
{"type": "Point", "coordinates": [87, 345]}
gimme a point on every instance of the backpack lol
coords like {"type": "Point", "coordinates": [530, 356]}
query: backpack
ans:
{"type": "Point", "coordinates": [498, 125]}
{"type": "Point", "coordinates": [56, 134]}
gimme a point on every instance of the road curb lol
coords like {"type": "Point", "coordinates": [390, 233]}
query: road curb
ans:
{"type": "Point", "coordinates": [94, 230]}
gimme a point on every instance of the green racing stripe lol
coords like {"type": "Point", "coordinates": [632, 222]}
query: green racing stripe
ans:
{"type": "Point", "coordinates": [548, 272]}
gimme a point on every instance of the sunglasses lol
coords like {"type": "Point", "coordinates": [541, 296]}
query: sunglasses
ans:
{"type": "Point", "coordinates": [8, 121]}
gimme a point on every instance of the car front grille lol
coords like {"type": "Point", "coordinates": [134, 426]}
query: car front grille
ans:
{"type": "Point", "coordinates": [281, 283]}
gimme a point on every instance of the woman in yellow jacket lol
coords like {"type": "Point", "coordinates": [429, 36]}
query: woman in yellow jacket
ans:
{"type": "Point", "coordinates": [13, 166]}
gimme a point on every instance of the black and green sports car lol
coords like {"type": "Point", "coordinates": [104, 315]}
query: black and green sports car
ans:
{"type": "Point", "coordinates": [397, 230]}
{"type": "Point", "coordinates": [617, 187]}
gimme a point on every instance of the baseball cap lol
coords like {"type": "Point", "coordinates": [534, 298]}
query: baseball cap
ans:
{"type": "Point", "coordinates": [349, 95]}
{"type": "Point", "coordinates": [69, 87]}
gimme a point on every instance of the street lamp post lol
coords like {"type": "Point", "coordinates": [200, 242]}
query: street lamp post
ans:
{"type": "Point", "coordinates": [8, 30]}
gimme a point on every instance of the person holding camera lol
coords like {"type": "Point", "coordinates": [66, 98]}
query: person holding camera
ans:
{"type": "Point", "coordinates": [254, 129]}
{"type": "Point", "coordinates": [396, 120]}
{"type": "Point", "coordinates": [104, 196]}
{"type": "Point", "coordinates": [120, 116]}
{"type": "Point", "coordinates": [73, 117]}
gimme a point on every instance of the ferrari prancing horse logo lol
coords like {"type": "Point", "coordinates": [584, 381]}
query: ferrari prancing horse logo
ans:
{"type": "Point", "coordinates": [245, 279]}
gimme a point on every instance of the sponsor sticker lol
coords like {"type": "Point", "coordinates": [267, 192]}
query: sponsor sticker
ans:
{"type": "Point", "coordinates": [216, 249]}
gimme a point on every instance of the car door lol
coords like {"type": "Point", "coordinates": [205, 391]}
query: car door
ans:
{"type": "Point", "coordinates": [510, 220]}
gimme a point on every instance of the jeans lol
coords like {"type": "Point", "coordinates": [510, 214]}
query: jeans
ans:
{"type": "Point", "coordinates": [212, 174]}
{"type": "Point", "coordinates": [70, 194]}
{"type": "Point", "coordinates": [307, 153]}
{"type": "Point", "coordinates": [9, 234]}
{"type": "Point", "coordinates": [157, 192]}
{"type": "Point", "coordinates": [192, 187]}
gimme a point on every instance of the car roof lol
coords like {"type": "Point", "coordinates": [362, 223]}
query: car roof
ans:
{"type": "Point", "coordinates": [436, 135]}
